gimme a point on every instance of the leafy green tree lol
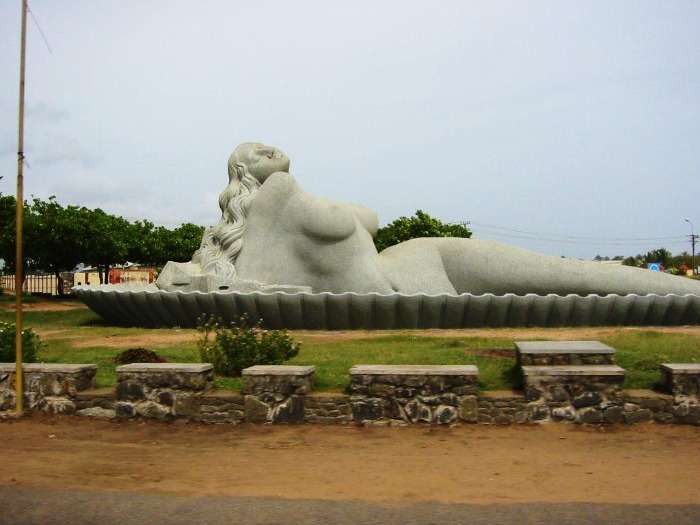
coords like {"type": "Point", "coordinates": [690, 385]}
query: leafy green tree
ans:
{"type": "Point", "coordinates": [631, 261]}
{"type": "Point", "coordinates": [184, 241]}
{"type": "Point", "coordinates": [56, 236]}
{"type": "Point", "coordinates": [157, 245]}
{"type": "Point", "coordinates": [660, 255]}
{"type": "Point", "coordinates": [7, 231]}
{"type": "Point", "coordinates": [419, 225]}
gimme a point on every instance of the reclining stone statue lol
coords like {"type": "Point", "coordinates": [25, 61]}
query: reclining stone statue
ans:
{"type": "Point", "coordinates": [273, 236]}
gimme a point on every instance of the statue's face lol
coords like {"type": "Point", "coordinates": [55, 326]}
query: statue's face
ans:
{"type": "Point", "coordinates": [263, 161]}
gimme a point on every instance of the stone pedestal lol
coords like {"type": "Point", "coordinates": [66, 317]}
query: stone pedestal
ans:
{"type": "Point", "coordinates": [586, 394]}
{"type": "Point", "coordinates": [549, 353]}
{"type": "Point", "coordinates": [682, 381]}
{"type": "Point", "coordinates": [275, 393]}
{"type": "Point", "coordinates": [47, 386]}
{"type": "Point", "coordinates": [161, 390]}
{"type": "Point", "coordinates": [413, 393]}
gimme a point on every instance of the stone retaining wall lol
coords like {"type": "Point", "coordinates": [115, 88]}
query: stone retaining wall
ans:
{"type": "Point", "coordinates": [585, 394]}
{"type": "Point", "coordinates": [48, 387]}
{"type": "Point", "coordinates": [377, 395]}
{"type": "Point", "coordinates": [161, 390]}
{"type": "Point", "coordinates": [275, 394]}
{"type": "Point", "coordinates": [330, 408]}
{"type": "Point", "coordinates": [412, 393]}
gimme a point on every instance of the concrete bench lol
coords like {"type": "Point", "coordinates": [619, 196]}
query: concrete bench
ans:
{"type": "Point", "coordinates": [47, 386]}
{"type": "Point", "coordinates": [278, 379]}
{"type": "Point", "coordinates": [413, 393]}
{"type": "Point", "coordinates": [160, 390]}
{"type": "Point", "coordinates": [546, 353]}
{"type": "Point", "coordinates": [567, 383]}
{"type": "Point", "coordinates": [681, 379]}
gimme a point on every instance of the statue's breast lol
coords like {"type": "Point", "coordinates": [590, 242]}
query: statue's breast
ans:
{"type": "Point", "coordinates": [293, 237]}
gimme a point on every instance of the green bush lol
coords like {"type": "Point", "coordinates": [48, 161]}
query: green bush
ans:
{"type": "Point", "coordinates": [30, 344]}
{"type": "Point", "coordinates": [237, 345]}
{"type": "Point", "coordinates": [419, 225]}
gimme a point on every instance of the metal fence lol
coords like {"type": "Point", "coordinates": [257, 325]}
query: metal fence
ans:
{"type": "Point", "coordinates": [34, 284]}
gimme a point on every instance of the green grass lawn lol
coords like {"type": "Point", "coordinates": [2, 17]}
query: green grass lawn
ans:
{"type": "Point", "coordinates": [640, 352]}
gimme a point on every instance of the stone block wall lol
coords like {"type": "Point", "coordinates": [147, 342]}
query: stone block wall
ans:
{"type": "Point", "coordinates": [161, 390]}
{"type": "Point", "coordinates": [504, 408]}
{"type": "Point", "coordinates": [217, 406]}
{"type": "Point", "coordinates": [377, 395]}
{"type": "Point", "coordinates": [682, 381]}
{"type": "Point", "coordinates": [413, 393]}
{"type": "Point", "coordinates": [275, 394]}
{"type": "Point", "coordinates": [586, 394]}
{"type": "Point", "coordinates": [48, 387]}
{"type": "Point", "coordinates": [329, 408]}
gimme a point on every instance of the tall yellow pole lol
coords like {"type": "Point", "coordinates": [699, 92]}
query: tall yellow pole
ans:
{"type": "Point", "coordinates": [19, 257]}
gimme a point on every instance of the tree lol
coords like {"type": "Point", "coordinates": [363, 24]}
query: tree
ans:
{"type": "Point", "coordinates": [631, 261]}
{"type": "Point", "coordinates": [7, 231]}
{"type": "Point", "coordinates": [184, 241]}
{"type": "Point", "coordinates": [157, 245]}
{"type": "Point", "coordinates": [660, 255]}
{"type": "Point", "coordinates": [419, 225]}
{"type": "Point", "coordinates": [107, 240]}
{"type": "Point", "coordinates": [55, 237]}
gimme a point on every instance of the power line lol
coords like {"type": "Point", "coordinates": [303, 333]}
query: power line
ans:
{"type": "Point", "coordinates": [554, 237]}
{"type": "Point", "coordinates": [575, 241]}
{"type": "Point", "coordinates": [36, 22]}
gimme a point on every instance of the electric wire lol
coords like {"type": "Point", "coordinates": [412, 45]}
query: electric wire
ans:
{"type": "Point", "coordinates": [41, 32]}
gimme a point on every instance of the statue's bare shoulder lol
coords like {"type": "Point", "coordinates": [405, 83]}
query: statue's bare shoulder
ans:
{"type": "Point", "coordinates": [320, 218]}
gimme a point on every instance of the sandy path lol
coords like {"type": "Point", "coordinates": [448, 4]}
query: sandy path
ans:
{"type": "Point", "coordinates": [468, 464]}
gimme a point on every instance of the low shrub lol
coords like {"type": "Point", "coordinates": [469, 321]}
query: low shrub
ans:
{"type": "Point", "coordinates": [31, 344]}
{"type": "Point", "coordinates": [231, 347]}
{"type": "Point", "coordinates": [137, 355]}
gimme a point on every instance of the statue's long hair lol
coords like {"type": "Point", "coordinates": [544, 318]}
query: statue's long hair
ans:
{"type": "Point", "coordinates": [222, 243]}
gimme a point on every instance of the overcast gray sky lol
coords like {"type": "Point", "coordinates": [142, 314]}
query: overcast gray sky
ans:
{"type": "Point", "coordinates": [577, 119]}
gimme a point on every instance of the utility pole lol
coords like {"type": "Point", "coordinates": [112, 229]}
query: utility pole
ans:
{"type": "Point", "coordinates": [693, 239]}
{"type": "Point", "coordinates": [19, 206]}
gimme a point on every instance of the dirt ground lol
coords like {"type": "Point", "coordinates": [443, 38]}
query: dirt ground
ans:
{"type": "Point", "coordinates": [46, 306]}
{"type": "Point", "coordinates": [467, 464]}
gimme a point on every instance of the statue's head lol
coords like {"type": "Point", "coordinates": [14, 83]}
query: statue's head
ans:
{"type": "Point", "coordinates": [249, 166]}
{"type": "Point", "coordinates": [259, 160]}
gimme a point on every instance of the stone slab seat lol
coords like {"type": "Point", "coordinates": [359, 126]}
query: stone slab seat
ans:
{"type": "Point", "coordinates": [146, 381]}
{"type": "Point", "coordinates": [50, 387]}
{"type": "Point", "coordinates": [278, 370]}
{"type": "Point", "coordinates": [412, 370]}
{"type": "Point", "coordinates": [574, 371]}
{"type": "Point", "coordinates": [283, 380]}
{"type": "Point", "coordinates": [682, 368]}
{"type": "Point", "coordinates": [58, 368]}
{"type": "Point", "coordinates": [53, 379]}
{"type": "Point", "coordinates": [194, 368]}
{"type": "Point", "coordinates": [433, 394]}
{"type": "Point", "coordinates": [564, 353]}
{"type": "Point", "coordinates": [681, 379]}
{"type": "Point", "coordinates": [384, 380]}
{"type": "Point", "coordinates": [581, 385]}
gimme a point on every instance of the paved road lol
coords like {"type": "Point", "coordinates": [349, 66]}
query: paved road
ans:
{"type": "Point", "coordinates": [29, 506]}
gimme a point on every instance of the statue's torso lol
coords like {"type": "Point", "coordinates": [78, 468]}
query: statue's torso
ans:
{"type": "Point", "coordinates": [294, 238]}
